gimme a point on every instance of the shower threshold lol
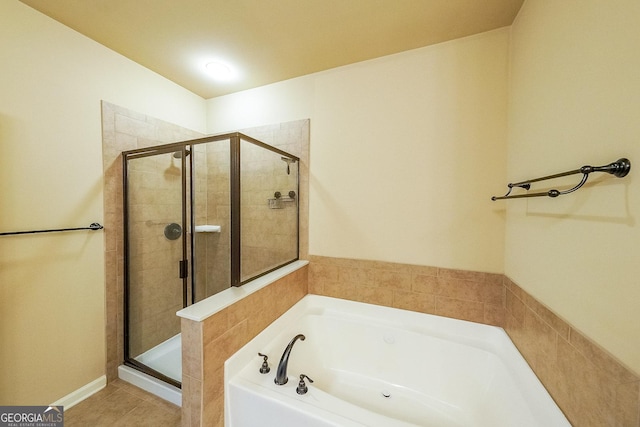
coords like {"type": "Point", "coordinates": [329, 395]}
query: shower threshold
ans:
{"type": "Point", "coordinates": [165, 358]}
{"type": "Point", "coordinates": [152, 385]}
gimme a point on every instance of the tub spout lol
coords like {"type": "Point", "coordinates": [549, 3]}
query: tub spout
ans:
{"type": "Point", "coordinates": [281, 373]}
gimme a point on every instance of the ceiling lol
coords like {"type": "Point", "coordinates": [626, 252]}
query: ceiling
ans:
{"type": "Point", "coordinates": [266, 41]}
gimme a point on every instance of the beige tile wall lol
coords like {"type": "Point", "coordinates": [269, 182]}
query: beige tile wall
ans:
{"type": "Point", "coordinates": [460, 294]}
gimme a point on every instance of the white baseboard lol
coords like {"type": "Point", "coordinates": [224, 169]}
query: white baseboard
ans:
{"type": "Point", "coordinates": [82, 393]}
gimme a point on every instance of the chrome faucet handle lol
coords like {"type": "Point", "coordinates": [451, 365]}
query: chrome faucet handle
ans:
{"type": "Point", "coordinates": [302, 387]}
{"type": "Point", "coordinates": [264, 369]}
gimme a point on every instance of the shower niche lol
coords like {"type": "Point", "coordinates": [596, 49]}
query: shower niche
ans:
{"type": "Point", "coordinates": [198, 219]}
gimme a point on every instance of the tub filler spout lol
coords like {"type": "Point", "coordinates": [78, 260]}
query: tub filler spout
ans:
{"type": "Point", "coordinates": [281, 373]}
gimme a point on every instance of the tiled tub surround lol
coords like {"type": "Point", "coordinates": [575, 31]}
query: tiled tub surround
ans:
{"type": "Point", "coordinates": [590, 386]}
{"type": "Point", "coordinates": [460, 294]}
{"type": "Point", "coordinates": [208, 343]}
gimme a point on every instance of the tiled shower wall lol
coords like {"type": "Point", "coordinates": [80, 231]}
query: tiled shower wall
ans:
{"type": "Point", "coordinates": [269, 236]}
{"type": "Point", "coordinates": [123, 130]}
{"type": "Point", "coordinates": [292, 137]}
{"type": "Point", "coordinates": [269, 229]}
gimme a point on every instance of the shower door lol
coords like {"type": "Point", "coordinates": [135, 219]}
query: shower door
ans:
{"type": "Point", "coordinates": [156, 254]}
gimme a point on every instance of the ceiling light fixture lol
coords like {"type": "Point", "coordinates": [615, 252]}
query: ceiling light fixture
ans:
{"type": "Point", "coordinates": [219, 71]}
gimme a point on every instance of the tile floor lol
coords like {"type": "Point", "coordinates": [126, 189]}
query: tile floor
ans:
{"type": "Point", "coordinates": [122, 404]}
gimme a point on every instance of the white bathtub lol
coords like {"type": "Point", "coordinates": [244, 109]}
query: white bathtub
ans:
{"type": "Point", "coordinates": [377, 366]}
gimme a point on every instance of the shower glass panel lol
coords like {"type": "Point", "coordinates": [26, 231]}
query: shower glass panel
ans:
{"type": "Point", "coordinates": [269, 209]}
{"type": "Point", "coordinates": [212, 218]}
{"type": "Point", "coordinates": [156, 245]}
{"type": "Point", "coordinates": [200, 216]}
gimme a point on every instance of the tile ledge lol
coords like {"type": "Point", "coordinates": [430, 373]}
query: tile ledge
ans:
{"type": "Point", "coordinates": [215, 303]}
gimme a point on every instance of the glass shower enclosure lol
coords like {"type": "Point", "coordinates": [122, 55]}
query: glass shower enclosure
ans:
{"type": "Point", "coordinates": [199, 216]}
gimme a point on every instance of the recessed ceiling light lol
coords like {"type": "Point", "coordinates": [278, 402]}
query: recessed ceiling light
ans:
{"type": "Point", "coordinates": [219, 71]}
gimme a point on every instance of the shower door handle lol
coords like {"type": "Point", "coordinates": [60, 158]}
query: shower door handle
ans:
{"type": "Point", "coordinates": [184, 269]}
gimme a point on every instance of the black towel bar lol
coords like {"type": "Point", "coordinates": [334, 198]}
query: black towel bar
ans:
{"type": "Point", "coordinates": [619, 168]}
{"type": "Point", "coordinates": [93, 226]}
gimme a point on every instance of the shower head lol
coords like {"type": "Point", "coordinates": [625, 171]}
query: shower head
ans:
{"type": "Point", "coordinates": [178, 154]}
{"type": "Point", "coordinates": [288, 161]}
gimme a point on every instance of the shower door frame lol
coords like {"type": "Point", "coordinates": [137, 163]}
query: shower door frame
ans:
{"type": "Point", "coordinates": [183, 272]}
{"type": "Point", "coordinates": [188, 221]}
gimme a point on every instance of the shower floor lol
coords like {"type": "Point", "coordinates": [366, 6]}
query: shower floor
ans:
{"type": "Point", "coordinates": [165, 358]}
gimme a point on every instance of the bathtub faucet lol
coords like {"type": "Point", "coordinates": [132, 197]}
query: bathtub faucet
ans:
{"type": "Point", "coordinates": [281, 373]}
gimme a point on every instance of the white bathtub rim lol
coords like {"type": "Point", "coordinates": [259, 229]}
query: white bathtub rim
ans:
{"type": "Point", "coordinates": [326, 305]}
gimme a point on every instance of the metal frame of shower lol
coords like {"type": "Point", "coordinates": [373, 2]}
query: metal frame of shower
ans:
{"type": "Point", "coordinates": [188, 279]}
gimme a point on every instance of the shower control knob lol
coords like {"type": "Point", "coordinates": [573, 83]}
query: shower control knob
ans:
{"type": "Point", "coordinates": [302, 387]}
{"type": "Point", "coordinates": [264, 369]}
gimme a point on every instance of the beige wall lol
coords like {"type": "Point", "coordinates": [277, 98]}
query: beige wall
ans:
{"type": "Point", "coordinates": [575, 100]}
{"type": "Point", "coordinates": [406, 151]}
{"type": "Point", "coordinates": [52, 317]}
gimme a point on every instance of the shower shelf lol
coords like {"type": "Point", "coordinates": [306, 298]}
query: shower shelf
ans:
{"type": "Point", "coordinates": [620, 168]}
{"type": "Point", "coordinates": [208, 228]}
{"type": "Point", "coordinates": [278, 200]}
